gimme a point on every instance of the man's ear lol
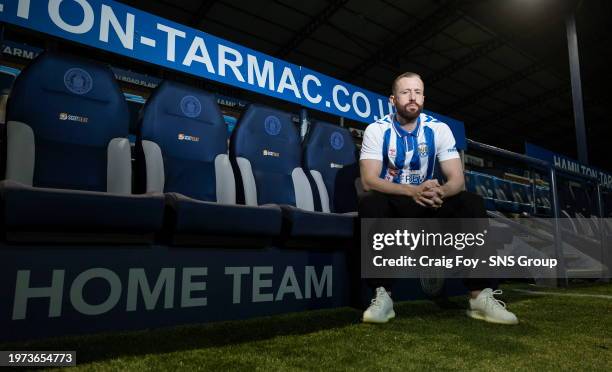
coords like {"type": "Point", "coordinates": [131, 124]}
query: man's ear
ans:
{"type": "Point", "coordinates": [391, 99]}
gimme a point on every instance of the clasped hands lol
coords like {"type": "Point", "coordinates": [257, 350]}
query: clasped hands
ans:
{"type": "Point", "coordinates": [429, 194]}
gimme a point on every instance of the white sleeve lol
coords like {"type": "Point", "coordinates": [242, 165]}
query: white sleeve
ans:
{"type": "Point", "coordinates": [445, 143]}
{"type": "Point", "coordinates": [372, 145]}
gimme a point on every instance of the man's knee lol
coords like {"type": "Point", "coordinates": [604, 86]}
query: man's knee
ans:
{"type": "Point", "coordinates": [470, 197]}
{"type": "Point", "coordinates": [373, 204]}
{"type": "Point", "coordinates": [471, 205]}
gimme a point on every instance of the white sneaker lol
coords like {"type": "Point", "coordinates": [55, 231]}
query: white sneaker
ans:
{"type": "Point", "coordinates": [381, 308]}
{"type": "Point", "coordinates": [488, 308]}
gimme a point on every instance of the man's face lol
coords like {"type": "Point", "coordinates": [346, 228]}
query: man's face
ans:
{"type": "Point", "coordinates": [408, 97]}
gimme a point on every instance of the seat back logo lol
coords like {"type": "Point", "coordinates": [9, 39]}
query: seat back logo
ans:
{"type": "Point", "coordinates": [185, 137]}
{"type": "Point", "coordinates": [336, 140]}
{"type": "Point", "coordinates": [274, 154]}
{"type": "Point", "coordinates": [272, 125]}
{"type": "Point", "coordinates": [78, 81]}
{"type": "Point", "coordinates": [64, 116]}
{"type": "Point", "coordinates": [191, 106]}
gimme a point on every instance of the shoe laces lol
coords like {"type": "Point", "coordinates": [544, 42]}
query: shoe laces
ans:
{"type": "Point", "coordinates": [377, 301]}
{"type": "Point", "coordinates": [490, 299]}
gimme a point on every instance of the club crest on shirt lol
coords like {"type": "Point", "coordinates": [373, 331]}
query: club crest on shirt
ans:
{"type": "Point", "coordinates": [423, 149]}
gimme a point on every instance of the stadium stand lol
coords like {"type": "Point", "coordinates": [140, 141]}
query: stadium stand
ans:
{"type": "Point", "coordinates": [504, 198]}
{"type": "Point", "coordinates": [523, 196]}
{"type": "Point", "coordinates": [508, 196]}
{"type": "Point", "coordinates": [482, 185]}
{"type": "Point", "coordinates": [70, 157]}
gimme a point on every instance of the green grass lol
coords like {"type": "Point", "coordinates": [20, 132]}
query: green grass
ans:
{"type": "Point", "coordinates": [555, 333]}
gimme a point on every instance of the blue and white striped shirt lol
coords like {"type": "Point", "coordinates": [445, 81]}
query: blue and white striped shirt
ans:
{"type": "Point", "coordinates": [408, 157]}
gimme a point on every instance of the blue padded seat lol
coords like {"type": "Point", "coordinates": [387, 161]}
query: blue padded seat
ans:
{"type": "Point", "coordinates": [470, 182]}
{"type": "Point", "coordinates": [68, 166]}
{"type": "Point", "coordinates": [329, 159]}
{"type": "Point", "coordinates": [523, 196]}
{"type": "Point", "coordinates": [265, 149]}
{"type": "Point", "coordinates": [184, 145]}
{"type": "Point", "coordinates": [543, 205]}
{"type": "Point", "coordinates": [481, 184]}
{"type": "Point", "coordinates": [44, 214]}
{"type": "Point", "coordinates": [504, 198]}
{"type": "Point", "coordinates": [311, 224]}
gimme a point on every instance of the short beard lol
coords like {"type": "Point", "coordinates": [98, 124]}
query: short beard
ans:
{"type": "Point", "coordinates": [406, 115]}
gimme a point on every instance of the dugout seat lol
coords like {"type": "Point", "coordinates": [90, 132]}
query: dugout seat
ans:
{"type": "Point", "coordinates": [523, 196]}
{"type": "Point", "coordinates": [330, 163]}
{"type": "Point", "coordinates": [504, 198]}
{"type": "Point", "coordinates": [329, 158]}
{"type": "Point", "coordinates": [266, 153]}
{"type": "Point", "coordinates": [481, 184]}
{"type": "Point", "coordinates": [183, 150]}
{"type": "Point", "coordinates": [68, 165]}
{"type": "Point", "coordinates": [543, 206]}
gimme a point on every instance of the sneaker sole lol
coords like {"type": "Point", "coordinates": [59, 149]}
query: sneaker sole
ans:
{"type": "Point", "coordinates": [474, 314]}
{"type": "Point", "coordinates": [379, 321]}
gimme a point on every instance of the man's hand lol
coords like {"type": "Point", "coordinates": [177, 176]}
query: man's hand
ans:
{"type": "Point", "coordinates": [440, 191]}
{"type": "Point", "coordinates": [428, 194]}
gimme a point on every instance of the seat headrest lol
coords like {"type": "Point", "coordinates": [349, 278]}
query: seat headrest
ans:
{"type": "Point", "coordinates": [268, 138]}
{"type": "Point", "coordinates": [328, 143]}
{"type": "Point", "coordinates": [329, 149]}
{"type": "Point", "coordinates": [185, 122]}
{"type": "Point", "coordinates": [69, 100]}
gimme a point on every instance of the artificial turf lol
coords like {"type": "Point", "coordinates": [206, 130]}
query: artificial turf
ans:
{"type": "Point", "coordinates": [555, 333]}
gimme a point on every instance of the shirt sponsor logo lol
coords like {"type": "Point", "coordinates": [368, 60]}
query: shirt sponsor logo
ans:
{"type": "Point", "coordinates": [412, 177]}
{"type": "Point", "coordinates": [336, 165]}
